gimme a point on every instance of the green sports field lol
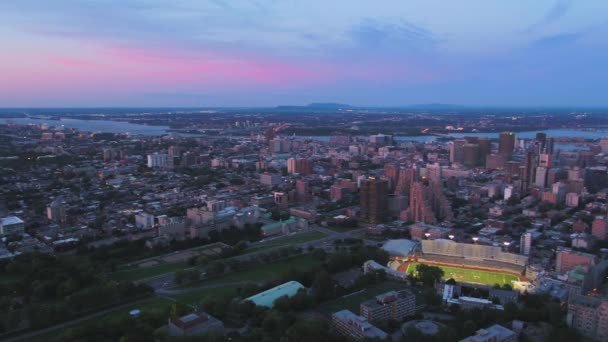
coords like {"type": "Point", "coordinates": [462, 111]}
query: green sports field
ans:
{"type": "Point", "coordinates": [469, 275]}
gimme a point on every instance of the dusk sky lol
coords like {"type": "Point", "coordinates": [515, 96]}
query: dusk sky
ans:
{"type": "Point", "coordinates": [273, 52]}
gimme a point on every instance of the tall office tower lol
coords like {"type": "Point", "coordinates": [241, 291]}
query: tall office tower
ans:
{"type": "Point", "coordinates": [596, 178]}
{"type": "Point", "coordinates": [545, 160]}
{"type": "Point", "coordinates": [428, 204]}
{"type": "Point", "coordinates": [528, 174]}
{"type": "Point", "coordinates": [541, 177]}
{"type": "Point", "coordinates": [470, 154]}
{"type": "Point", "coordinates": [374, 200]}
{"type": "Point", "coordinates": [541, 137]}
{"type": "Point", "coordinates": [485, 149]}
{"type": "Point", "coordinates": [407, 176]}
{"type": "Point", "coordinates": [457, 151]}
{"type": "Point", "coordinates": [525, 243]}
{"type": "Point", "coordinates": [549, 146]}
{"type": "Point", "coordinates": [506, 144]}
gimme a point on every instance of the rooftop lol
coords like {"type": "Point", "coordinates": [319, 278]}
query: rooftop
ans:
{"type": "Point", "coordinates": [9, 220]}
{"type": "Point", "coordinates": [268, 297]}
{"type": "Point", "coordinates": [361, 323]}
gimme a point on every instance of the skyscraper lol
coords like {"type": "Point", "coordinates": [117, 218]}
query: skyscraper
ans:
{"type": "Point", "coordinates": [428, 204]}
{"type": "Point", "coordinates": [457, 151]}
{"type": "Point", "coordinates": [404, 183]}
{"type": "Point", "coordinates": [506, 144]}
{"type": "Point", "coordinates": [374, 200]}
{"type": "Point", "coordinates": [485, 148]}
{"type": "Point", "coordinates": [471, 154]}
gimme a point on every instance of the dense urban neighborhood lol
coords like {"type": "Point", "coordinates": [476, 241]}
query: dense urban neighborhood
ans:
{"type": "Point", "coordinates": [248, 233]}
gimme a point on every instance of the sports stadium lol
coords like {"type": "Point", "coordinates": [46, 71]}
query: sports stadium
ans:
{"type": "Point", "coordinates": [466, 263]}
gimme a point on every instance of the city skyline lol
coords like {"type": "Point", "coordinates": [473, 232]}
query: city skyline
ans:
{"type": "Point", "coordinates": [266, 53]}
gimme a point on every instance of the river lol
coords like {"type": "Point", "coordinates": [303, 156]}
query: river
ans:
{"type": "Point", "coordinates": [141, 129]}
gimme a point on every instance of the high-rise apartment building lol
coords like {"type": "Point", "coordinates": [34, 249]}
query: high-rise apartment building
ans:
{"type": "Point", "coordinates": [525, 244]}
{"type": "Point", "coordinates": [428, 204]}
{"type": "Point", "coordinates": [588, 316]}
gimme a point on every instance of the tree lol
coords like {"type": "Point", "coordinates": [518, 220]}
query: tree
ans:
{"type": "Point", "coordinates": [178, 310]}
{"type": "Point", "coordinates": [429, 275]}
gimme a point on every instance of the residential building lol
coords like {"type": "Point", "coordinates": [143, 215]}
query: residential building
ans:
{"type": "Point", "coordinates": [391, 305]}
{"type": "Point", "coordinates": [588, 316]}
{"type": "Point", "coordinates": [144, 220]}
{"type": "Point", "coordinates": [355, 327]}
{"type": "Point", "coordinates": [525, 244]}
{"type": "Point", "coordinates": [159, 160]}
{"type": "Point", "coordinates": [567, 259]}
{"type": "Point", "coordinates": [11, 225]}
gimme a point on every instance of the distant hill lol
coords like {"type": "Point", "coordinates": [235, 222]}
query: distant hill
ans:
{"type": "Point", "coordinates": [316, 105]}
{"type": "Point", "coordinates": [436, 106]}
{"type": "Point", "coordinates": [328, 105]}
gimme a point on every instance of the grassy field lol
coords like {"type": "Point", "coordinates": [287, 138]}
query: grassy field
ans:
{"type": "Point", "coordinates": [285, 242]}
{"type": "Point", "coordinates": [155, 305]}
{"type": "Point", "coordinates": [134, 274]}
{"type": "Point", "coordinates": [473, 276]}
{"type": "Point", "coordinates": [351, 302]}
{"type": "Point", "coordinates": [198, 296]}
{"type": "Point", "coordinates": [264, 272]}
{"type": "Point", "coordinates": [342, 229]}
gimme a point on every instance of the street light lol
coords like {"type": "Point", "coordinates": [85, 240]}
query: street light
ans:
{"type": "Point", "coordinates": [427, 235]}
{"type": "Point", "coordinates": [451, 237]}
{"type": "Point", "coordinates": [475, 239]}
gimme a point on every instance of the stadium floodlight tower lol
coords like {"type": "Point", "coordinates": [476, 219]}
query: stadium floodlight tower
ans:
{"type": "Point", "coordinates": [451, 237]}
{"type": "Point", "coordinates": [475, 238]}
{"type": "Point", "coordinates": [428, 235]}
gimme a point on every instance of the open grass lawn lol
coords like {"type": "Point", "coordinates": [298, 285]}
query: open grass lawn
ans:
{"type": "Point", "coordinates": [264, 272]}
{"type": "Point", "coordinates": [197, 296]}
{"type": "Point", "coordinates": [343, 229]}
{"type": "Point", "coordinates": [285, 242]}
{"type": "Point", "coordinates": [473, 276]}
{"type": "Point", "coordinates": [140, 273]}
{"type": "Point", "coordinates": [153, 305]}
{"type": "Point", "coordinates": [351, 302]}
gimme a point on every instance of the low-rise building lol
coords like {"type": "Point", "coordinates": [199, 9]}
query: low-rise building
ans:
{"type": "Point", "coordinates": [495, 333]}
{"type": "Point", "coordinates": [268, 297]}
{"type": "Point", "coordinates": [391, 305]}
{"type": "Point", "coordinates": [355, 327]}
{"type": "Point", "coordinates": [11, 225]}
{"type": "Point", "coordinates": [197, 323]}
